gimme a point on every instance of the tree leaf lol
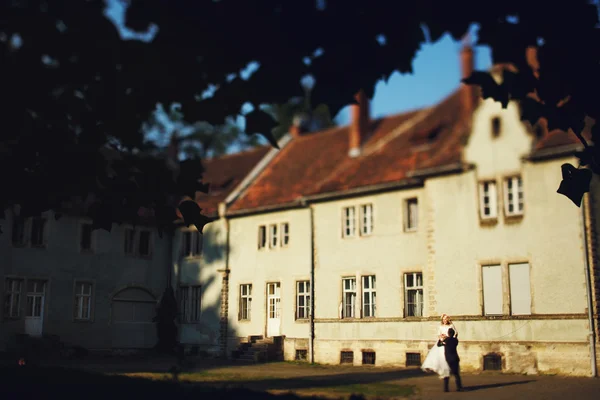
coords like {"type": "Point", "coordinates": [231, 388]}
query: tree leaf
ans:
{"type": "Point", "coordinates": [575, 183]}
{"type": "Point", "coordinates": [262, 123]}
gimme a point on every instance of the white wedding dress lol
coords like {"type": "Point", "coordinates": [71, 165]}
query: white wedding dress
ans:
{"type": "Point", "coordinates": [436, 359]}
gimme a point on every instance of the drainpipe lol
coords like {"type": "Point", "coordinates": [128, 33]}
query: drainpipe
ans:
{"type": "Point", "coordinates": [311, 344]}
{"type": "Point", "coordinates": [588, 286]}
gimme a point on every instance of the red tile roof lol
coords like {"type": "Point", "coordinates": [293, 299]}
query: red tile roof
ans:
{"type": "Point", "coordinates": [224, 174]}
{"type": "Point", "coordinates": [398, 145]}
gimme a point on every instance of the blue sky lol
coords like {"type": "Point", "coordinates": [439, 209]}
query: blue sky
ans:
{"type": "Point", "coordinates": [436, 73]}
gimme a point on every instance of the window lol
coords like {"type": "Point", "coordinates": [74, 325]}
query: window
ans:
{"type": "Point", "coordinates": [488, 205]}
{"type": "Point", "coordinates": [513, 196]}
{"type": "Point", "coordinates": [245, 302]}
{"type": "Point", "coordinates": [83, 301]}
{"type": "Point", "coordinates": [86, 237]}
{"type": "Point", "coordinates": [411, 215]}
{"type": "Point", "coordinates": [35, 295]}
{"type": "Point", "coordinates": [492, 289]}
{"type": "Point", "coordinates": [38, 225]}
{"type": "Point", "coordinates": [191, 303]}
{"type": "Point", "coordinates": [366, 219]}
{"type": "Point", "coordinates": [262, 237]}
{"type": "Point", "coordinates": [496, 127]}
{"type": "Point", "coordinates": [301, 355]}
{"type": "Point", "coordinates": [368, 357]}
{"type": "Point", "coordinates": [285, 234]}
{"type": "Point", "coordinates": [12, 297]}
{"type": "Point", "coordinates": [349, 297]}
{"type": "Point", "coordinates": [520, 289]}
{"type": "Point", "coordinates": [492, 362]}
{"type": "Point", "coordinates": [191, 243]}
{"type": "Point", "coordinates": [18, 231]}
{"type": "Point", "coordinates": [346, 357]}
{"type": "Point", "coordinates": [129, 243]}
{"type": "Point", "coordinates": [302, 299]}
{"type": "Point", "coordinates": [273, 236]}
{"type": "Point", "coordinates": [144, 245]}
{"type": "Point", "coordinates": [368, 296]}
{"type": "Point", "coordinates": [413, 294]}
{"type": "Point", "coordinates": [349, 222]}
{"type": "Point", "coordinates": [413, 359]}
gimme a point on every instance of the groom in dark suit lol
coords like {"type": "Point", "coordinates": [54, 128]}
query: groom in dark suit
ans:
{"type": "Point", "coordinates": [450, 343]}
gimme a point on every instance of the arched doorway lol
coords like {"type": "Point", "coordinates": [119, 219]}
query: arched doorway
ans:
{"type": "Point", "coordinates": [132, 311]}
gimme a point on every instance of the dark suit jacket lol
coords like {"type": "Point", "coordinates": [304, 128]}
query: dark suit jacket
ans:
{"type": "Point", "coordinates": [450, 345]}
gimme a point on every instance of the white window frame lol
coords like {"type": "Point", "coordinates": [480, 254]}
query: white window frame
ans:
{"type": "Point", "coordinates": [349, 222]}
{"type": "Point", "coordinates": [492, 195]}
{"type": "Point", "coordinates": [81, 231]}
{"type": "Point", "coordinates": [418, 289]}
{"type": "Point", "coordinates": [17, 220]}
{"type": "Point", "coordinates": [303, 292]}
{"type": "Point", "coordinates": [83, 312]}
{"type": "Point", "coordinates": [196, 244]}
{"type": "Point", "coordinates": [245, 304]}
{"type": "Point", "coordinates": [129, 242]}
{"type": "Point", "coordinates": [42, 240]}
{"type": "Point", "coordinates": [516, 192]}
{"type": "Point", "coordinates": [273, 236]}
{"type": "Point", "coordinates": [520, 300]}
{"type": "Point", "coordinates": [139, 243]}
{"type": "Point", "coordinates": [190, 303]}
{"type": "Point", "coordinates": [285, 234]}
{"type": "Point", "coordinates": [369, 290]}
{"type": "Point", "coordinates": [349, 308]}
{"type": "Point", "coordinates": [13, 293]}
{"type": "Point", "coordinates": [411, 217]}
{"type": "Point", "coordinates": [262, 237]}
{"type": "Point", "coordinates": [366, 219]}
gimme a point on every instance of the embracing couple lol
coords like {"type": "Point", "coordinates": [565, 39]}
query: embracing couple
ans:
{"type": "Point", "coordinates": [443, 358]}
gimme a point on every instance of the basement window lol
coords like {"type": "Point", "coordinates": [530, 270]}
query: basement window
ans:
{"type": "Point", "coordinates": [413, 359]}
{"type": "Point", "coordinates": [368, 358]}
{"type": "Point", "coordinates": [492, 362]}
{"type": "Point", "coordinates": [301, 355]}
{"type": "Point", "coordinates": [347, 357]}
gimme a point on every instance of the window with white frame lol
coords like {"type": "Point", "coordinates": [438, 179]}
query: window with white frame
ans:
{"type": "Point", "coordinates": [191, 244]}
{"type": "Point", "coordinates": [273, 236]}
{"type": "Point", "coordinates": [38, 231]}
{"type": "Point", "coordinates": [349, 221]}
{"type": "Point", "coordinates": [12, 297]}
{"type": "Point", "coordinates": [411, 214]}
{"type": "Point", "coordinates": [129, 242]}
{"type": "Point", "coordinates": [366, 219]}
{"type": "Point", "coordinates": [520, 289]}
{"type": "Point", "coordinates": [302, 299]}
{"type": "Point", "coordinates": [144, 245]}
{"type": "Point", "coordinates": [368, 295]}
{"type": "Point", "coordinates": [513, 196]}
{"type": "Point", "coordinates": [285, 234]}
{"type": "Point", "coordinates": [262, 237]}
{"type": "Point", "coordinates": [491, 276]}
{"type": "Point", "coordinates": [85, 243]}
{"type": "Point", "coordinates": [245, 305]}
{"type": "Point", "coordinates": [18, 231]}
{"type": "Point", "coordinates": [413, 294]}
{"type": "Point", "coordinates": [349, 297]}
{"type": "Point", "coordinates": [190, 298]}
{"type": "Point", "coordinates": [488, 200]}
{"type": "Point", "coordinates": [83, 301]}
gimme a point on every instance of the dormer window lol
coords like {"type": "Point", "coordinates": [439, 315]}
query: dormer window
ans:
{"type": "Point", "coordinates": [496, 127]}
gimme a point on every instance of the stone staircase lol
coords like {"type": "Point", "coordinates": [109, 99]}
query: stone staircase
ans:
{"type": "Point", "coordinates": [257, 349]}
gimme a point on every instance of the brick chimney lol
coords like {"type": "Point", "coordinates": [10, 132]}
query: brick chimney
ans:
{"type": "Point", "coordinates": [467, 92]}
{"type": "Point", "coordinates": [299, 124]}
{"type": "Point", "coordinates": [359, 124]}
{"type": "Point", "coordinates": [531, 56]}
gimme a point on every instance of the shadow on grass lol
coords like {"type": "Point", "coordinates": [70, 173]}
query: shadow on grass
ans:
{"type": "Point", "coordinates": [324, 381]}
{"type": "Point", "coordinates": [495, 385]}
{"type": "Point", "coordinates": [63, 383]}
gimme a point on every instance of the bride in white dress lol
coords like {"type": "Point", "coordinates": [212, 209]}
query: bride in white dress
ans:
{"type": "Point", "coordinates": [436, 359]}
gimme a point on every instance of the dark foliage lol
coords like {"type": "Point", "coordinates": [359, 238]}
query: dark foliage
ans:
{"type": "Point", "coordinates": [70, 84]}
